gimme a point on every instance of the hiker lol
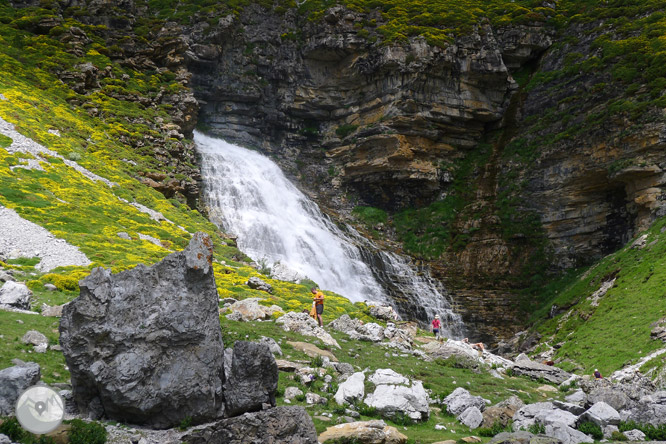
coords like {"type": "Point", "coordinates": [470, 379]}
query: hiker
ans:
{"type": "Point", "coordinates": [436, 326]}
{"type": "Point", "coordinates": [477, 346]}
{"type": "Point", "coordinates": [597, 374]}
{"type": "Point", "coordinates": [318, 302]}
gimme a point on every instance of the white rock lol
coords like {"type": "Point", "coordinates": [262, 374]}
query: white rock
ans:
{"type": "Point", "coordinates": [460, 400]}
{"type": "Point", "coordinates": [387, 376]}
{"type": "Point", "coordinates": [292, 392]}
{"type": "Point", "coordinates": [471, 417]}
{"type": "Point", "coordinates": [352, 389]}
{"type": "Point", "coordinates": [566, 434]}
{"type": "Point", "coordinates": [302, 323]}
{"type": "Point", "coordinates": [34, 337]}
{"type": "Point", "coordinates": [602, 414]}
{"type": "Point", "coordinates": [391, 399]}
{"type": "Point", "coordinates": [15, 294]}
{"type": "Point", "coordinates": [635, 435]}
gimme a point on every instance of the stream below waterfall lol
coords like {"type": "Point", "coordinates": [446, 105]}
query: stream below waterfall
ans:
{"type": "Point", "coordinates": [247, 195]}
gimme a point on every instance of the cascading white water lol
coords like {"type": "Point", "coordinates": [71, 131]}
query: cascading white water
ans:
{"type": "Point", "coordinates": [249, 196]}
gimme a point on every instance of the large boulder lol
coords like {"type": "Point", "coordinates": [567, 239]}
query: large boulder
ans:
{"type": "Point", "coordinates": [252, 378]}
{"type": "Point", "coordinates": [391, 400]}
{"type": "Point", "coordinates": [526, 415]}
{"type": "Point", "coordinates": [601, 414]}
{"type": "Point", "coordinates": [15, 295]}
{"type": "Point", "coordinates": [280, 425]}
{"type": "Point", "coordinates": [144, 345]}
{"type": "Point", "coordinates": [460, 400]}
{"type": "Point", "coordinates": [303, 324]}
{"type": "Point", "coordinates": [387, 376]}
{"type": "Point", "coordinates": [357, 330]}
{"type": "Point", "coordinates": [471, 417]}
{"type": "Point", "coordinates": [13, 381]}
{"type": "Point", "coordinates": [535, 370]}
{"type": "Point", "coordinates": [257, 284]}
{"type": "Point", "coordinates": [566, 434]}
{"type": "Point", "coordinates": [364, 432]}
{"type": "Point", "coordinates": [352, 389]}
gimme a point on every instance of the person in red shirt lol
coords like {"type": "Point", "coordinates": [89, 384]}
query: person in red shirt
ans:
{"type": "Point", "coordinates": [436, 326]}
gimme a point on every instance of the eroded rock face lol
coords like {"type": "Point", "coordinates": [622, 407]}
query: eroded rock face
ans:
{"type": "Point", "coordinates": [280, 425]}
{"type": "Point", "coordinates": [13, 381]}
{"type": "Point", "coordinates": [144, 345]}
{"type": "Point", "coordinates": [252, 378]}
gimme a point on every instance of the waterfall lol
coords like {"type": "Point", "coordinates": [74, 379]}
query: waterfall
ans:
{"type": "Point", "coordinates": [248, 195]}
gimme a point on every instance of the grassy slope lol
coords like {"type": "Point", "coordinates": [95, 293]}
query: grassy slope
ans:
{"type": "Point", "coordinates": [616, 332]}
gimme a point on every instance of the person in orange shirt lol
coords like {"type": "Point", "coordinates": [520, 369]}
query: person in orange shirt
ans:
{"type": "Point", "coordinates": [318, 301]}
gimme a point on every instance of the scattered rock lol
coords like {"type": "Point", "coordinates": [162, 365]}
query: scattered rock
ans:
{"type": "Point", "coordinates": [522, 438]}
{"type": "Point", "coordinates": [4, 439]}
{"type": "Point", "coordinates": [273, 426]}
{"type": "Point", "coordinates": [460, 400]}
{"type": "Point", "coordinates": [566, 434]}
{"type": "Point", "coordinates": [148, 327]}
{"type": "Point", "coordinates": [383, 312]}
{"type": "Point", "coordinates": [526, 415]}
{"type": "Point", "coordinates": [250, 310]}
{"type": "Point", "coordinates": [13, 381]}
{"type": "Point", "coordinates": [288, 366]}
{"type": "Point", "coordinates": [33, 337]}
{"type": "Point", "coordinates": [601, 414]}
{"type": "Point", "coordinates": [387, 376]}
{"type": "Point", "coordinates": [50, 287]}
{"type": "Point", "coordinates": [391, 399]}
{"type": "Point", "coordinates": [16, 295]}
{"type": "Point", "coordinates": [292, 392]}
{"type": "Point", "coordinates": [367, 432]}
{"type": "Point", "coordinates": [55, 311]}
{"type": "Point", "coordinates": [352, 389]}
{"type": "Point", "coordinates": [252, 378]}
{"type": "Point", "coordinates": [303, 324]}
{"type": "Point", "coordinates": [536, 371]}
{"type": "Point", "coordinates": [634, 435]}
{"type": "Point", "coordinates": [123, 235]}
{"type": "Point", "coordinates": [357, 330]}
{"type": "Point", "coordinates": [502, 412]}
{"type": "Point", "coordinates": [312, 350]}
{"type": "Point", "coordinates": [257, 284]}
{"type": "Point", "coordinates": [273, 346]}
{"type": "Point", "coordinates": [313, 398]}
{"type": "Point", "coordinates": [6, 276]}
{"type": "Point", "coordinates": [471, 417]}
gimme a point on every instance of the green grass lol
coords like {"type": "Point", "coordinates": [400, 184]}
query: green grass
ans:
{"type": "Point", "coordinates": [52, 362]}
{"type": "Point", "coordinates": [616, 332]}
{"type": "Point", "coordinates": [438, 378]}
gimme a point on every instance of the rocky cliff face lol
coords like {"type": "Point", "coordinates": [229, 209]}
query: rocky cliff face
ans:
{"type": "Point", "coordinates": [532, 148]}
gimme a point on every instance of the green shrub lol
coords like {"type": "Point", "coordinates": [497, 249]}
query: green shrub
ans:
{"type": "Point", "coordinates": [370, 215]}
{"type": "Point", "coordinates": [344, 130]}
{"type": "Point", "coordinates": [653, 433]}
{"type": "Point", "coordinates": [491, 431]}
{"type": "Point", "coordinates": [365, 410]}
{"type": "Point", "coordinates": [5, 141]}
{"type": "Point", "coordinates": [317, 361]}
{"type": "Point", "coordinates": [537, 429]}
{"type": "Point", "coordinates": [618, 436]}
{"type": "Point", "coordinates": [86, 432]}
{"type": "Point", "coordinates": [591, 429]}
{"type": "Point", "coordinates": [13, 430]}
